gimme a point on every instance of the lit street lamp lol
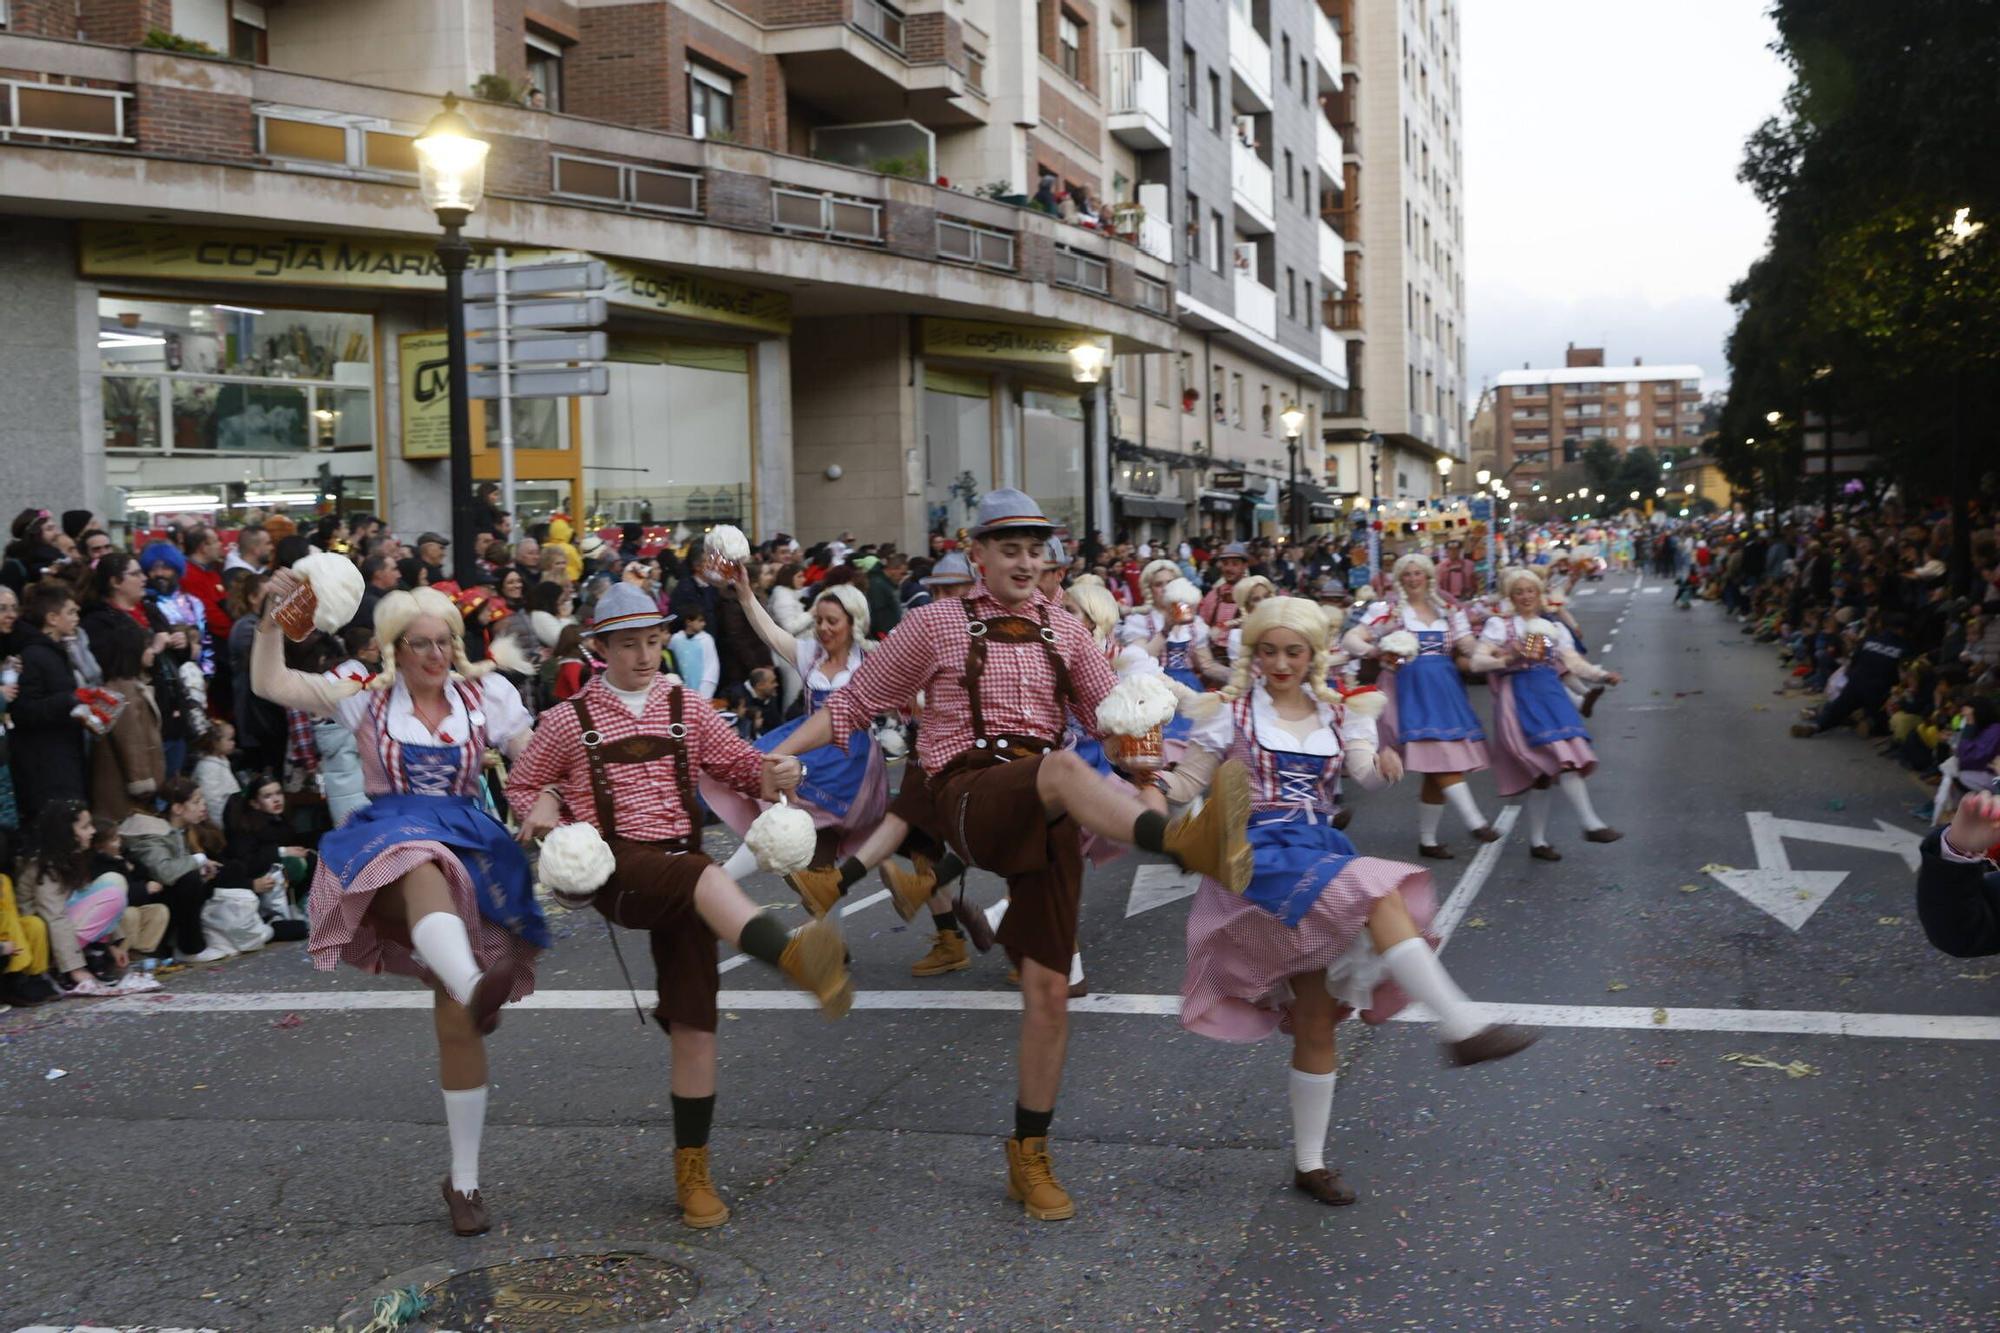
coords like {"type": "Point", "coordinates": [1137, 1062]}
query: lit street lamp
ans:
{"type": "Point", "coordinates": [1294, 420]}
{"type": "Point", "coordinates": [1086, 365]}
{"type": "Point", "coordinates": [451, 176]}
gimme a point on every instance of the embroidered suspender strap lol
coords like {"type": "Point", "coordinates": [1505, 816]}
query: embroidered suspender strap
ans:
{"type": "Point", "coordinates": [600, 778]}
{"type": "Point", "coordinates": [684, 769]}
{"type": "Point", "coordinates": [975, 667]}
{"type": "Point", "coordinates": [1065, 691]}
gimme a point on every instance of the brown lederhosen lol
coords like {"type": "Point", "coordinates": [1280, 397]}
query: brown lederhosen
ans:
{"type": "Point", "coordinates": [913, 805]}
{"type": "Point", "coordinates": [987, 806]}
{"type": "Point", "coordinates": [652, 883]}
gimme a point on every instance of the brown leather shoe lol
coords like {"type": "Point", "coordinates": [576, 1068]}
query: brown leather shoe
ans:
{"type": "Point", "coordinates": [1496, 1041]}
{"type": "Point", "coordinates": [1436, 851]}
{"type": "Point", "coordinates": [701, 1206]}
{"type": "Point", "coordinates": [488, 994]}
{"type": "Point", "coordinates": [947, 955]}
{"type": "Point", "coordinates": [1079, 988]}
{"type": "Point", "coordinates": [972, 920]}
{"type": "Point", "coordinates": [1545, 853]}
{"type": "Point", "coordinates": [1590, 698]}
{"type": "Point", "coordinates": [1343, 817]}
{"type": "Point", "coordinates": [468, 1211]}
{"type": "Point", "coordinates": [818, 888]}
{"type": "Point", "coordinates": [1031, 1181]}
{"type": "Point", "coordinates": [816, 961]}
{"type": "Point", "coordinates": [1212, 843]}
{"type": "Point", "coordinates": [1486, 833]}
{"type": "Point", "coordinates": [1602, 835]}
{"type": "Point", "coordinates": [909, 889]}
{"type": "Point", "coordinates": [1325, 1186]}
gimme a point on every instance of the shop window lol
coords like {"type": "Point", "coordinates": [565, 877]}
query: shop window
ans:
{"type": "Point", "coordinates": [670, 443]}
{"type": "Point", "coordinates": [219, 378]}
{"type": "Point", "coordinates": [545, 73]}
{"type": "Point", "coordinates": [711, 103]}
{"type": "Point", "coordinates": [1052, 454]}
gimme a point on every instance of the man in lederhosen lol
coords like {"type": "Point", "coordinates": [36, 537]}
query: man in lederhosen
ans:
{"type": "Point", "coordinates": [998, 670]}
{"type": "Point", "coordinates": [622, 755]}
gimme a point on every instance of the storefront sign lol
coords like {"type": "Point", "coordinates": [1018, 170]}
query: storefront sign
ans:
{"type": "Point", "coordinates": [423, 364]}
{"type": "Point", "coordinates": [1226, 481]}
{"type": "Point", "coordinates": [686, 296]}
{"type": "Point", "coordinates": [978, 340]}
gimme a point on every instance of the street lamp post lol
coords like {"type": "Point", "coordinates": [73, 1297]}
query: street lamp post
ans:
{"type": "Point", "coordinates": [1086, 363]}
{"type": "Point", "coordinates": [451, 176]}
{"type": "Point", "coordinates": [1374, 503]}
{"type": "Point", "coordinates": [1294, 419]}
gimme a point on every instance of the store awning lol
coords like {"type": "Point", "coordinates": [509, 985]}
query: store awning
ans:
{"type": "Point", "coordinates": [1146, 506]}
{"type": "Point", "coordinates": [1325, 513]}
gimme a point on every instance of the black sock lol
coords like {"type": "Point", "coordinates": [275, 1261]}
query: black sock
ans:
{"type": "Point", "coordinates": [1032, 1124]}
{"type": "Point", "coordinates": [948, 868]}
{"type": "Point", "coordinates": [1149, 832]}
{"type": "Point", "coordinates": [850, 870]}
{"type": "Point", "coordinates": [692, 1117]}
{"type": "Point", "coordinates": [764, 938]}
{"type": "Point", "coordinates": [944, 923]}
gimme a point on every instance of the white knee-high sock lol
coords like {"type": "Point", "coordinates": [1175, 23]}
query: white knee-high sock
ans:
{"type": "Point", "coordinates": [741, 863]}
{"type": "Point", "coordinates": [1418, 971]}
{"type": "Point", "coordinates": [1076, 967]}
{"type": "Point", "coordinates": [1537, 799]}
{"type": "Point", "coordinates": [465, 1117]}
{"type": "Point", "coordinates": [1579, 796]}
{"type": "Point", "coordinates": [1312, 1107]}
{"type": "Point", "coordinates": [1460, 797]}
{"type": "Point", "coordinates": [1428, 818]}
{"type": "Point", "coordinates": [447, 951]}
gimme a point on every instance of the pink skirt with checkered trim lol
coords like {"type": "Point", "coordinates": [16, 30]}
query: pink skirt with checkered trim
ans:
{"type": "Point", "coordinates": [342, 933]}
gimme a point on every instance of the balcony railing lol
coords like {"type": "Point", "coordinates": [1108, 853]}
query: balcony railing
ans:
{"type": "Point", "coordinates": [1074, 268]}
{"type": "Point", "coordinates": [58, 112]}
{"type": "Point", "coordinates": [1138, 108]}
{"type": "Point", "coordinates": [986, 246]}
{"type": "Point", "coordinates": [627, 185]}
{"type": "Point", "coordinates": [1249, 61]}
{"type": "Point", "coordinates": [882, 22]}
{"type": "Point", "coordinates": [1332, 256]}
{"type": "Point", "coordinates": [1332, 350]}
{"type": "Point", "coordinates": [826, 215]}
{"type": "Point", "coordinates": [1256, 305]}
{"type": "Point", "coordinates": [1256, 192]}
{"type": "Point", "coordinates": [1344, 313]}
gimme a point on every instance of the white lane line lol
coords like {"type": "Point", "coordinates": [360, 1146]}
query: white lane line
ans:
{"type": "Point", "coordinates": [96, 1328]}
{"type": "Point", "coordinates": [1586, 592]}
{"type": "Point", "coordinates": [1654, 587]}
{"type": "Point", "coordinates": [1635, 1018]}
{"type": "Point", "coordinates": [1473, 880]}
{"type": "Point", "coordinates": [735, 961]}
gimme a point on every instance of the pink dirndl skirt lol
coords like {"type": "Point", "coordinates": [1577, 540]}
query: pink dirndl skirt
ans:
{"type": "Point", "coordinates": [1241, 959]}
{"type": "Point", "coordinates": [1517, 764]}
{"type": "Point", "coordinates": [341, 931]}
{"type": "Point", "coordinates": [1425, 756]}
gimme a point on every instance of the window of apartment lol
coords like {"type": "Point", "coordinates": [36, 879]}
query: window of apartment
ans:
{"type": "Point", "coordinates": [1264, 406]}
{"type": "Point", "coordinates": [1288, 173]}
{"type": "Point", "coordinates": [882, 22]}
{"type": "Point", "coordinates": [1191, 71]}
{"type": "Point", "coordinates": [1069, 46]}
{"type": "Point", "coordinates": [545, 83]}
{"type": "Point", "coordinates": [1285, 47]}
{"type": "Point", "coordinates": [711, 103]}
{"type": "Point", "coordinates": [1215, 233]}
{"type": "Point", "coordinates": [1215, 101]}
{"type": "Point", "coordinates": [1305, 82]}
{"type": "Point", "coordinates": [247, 38]}
{"type": "Point", "coordinates": [975, 70]}
{"type": "Point", "coordinates": [1236, 400]}
{"type": "Point", "coordinates": [1217, 380]}
{"type": "Point", "coordinates": [1291, 294]}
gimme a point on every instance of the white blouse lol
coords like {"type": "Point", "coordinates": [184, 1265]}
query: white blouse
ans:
{"type": "Point", "coordinates": [1348, 733]}
{"type": "Point", "coordinates": [1499, 629]}
{"type": "Point", "coordinates": [810, 660]}
{"type": "Point", "coordinates": [501, 712]}
{"type": "Point", "coordinates": [1381, 617]}
{"type": "Point", "coordinates": [1144, 625]}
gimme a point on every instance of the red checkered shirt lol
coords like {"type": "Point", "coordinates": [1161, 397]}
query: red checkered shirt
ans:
{"type": "Point", "coordinates": [645, 796]}
{"type": "Point", "coordinates": [1017, 696]}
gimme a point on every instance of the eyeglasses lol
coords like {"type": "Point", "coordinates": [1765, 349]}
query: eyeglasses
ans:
{"type": "Point", "coordinates": [428, 647]}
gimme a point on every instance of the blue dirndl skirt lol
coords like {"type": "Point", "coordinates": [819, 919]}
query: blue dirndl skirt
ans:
{"type": "Point", "coordinates": [833, 775]}
{"type": "Point", "coordinates": [1431, 703]}
{"type": "Point", "coordinates": [1091, 750]}
{"type": "Point", "coordinates": [1544, 708]}
{"type": "Point", "coordinates": [1296, 859]}
{"type": "Point", "coordinates": [494, 861]}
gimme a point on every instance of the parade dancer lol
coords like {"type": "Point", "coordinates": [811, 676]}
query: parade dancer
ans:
{"type": "Point", "coordinates": [846, 791]}
{"type": "Point", "coordinates": [622, 756]}
{"type": "Point", "coordinates": [421, 881]}
{"type": "Point", "coordinates": [1539, 738]}
{"type": "Point", "coordinates": [999, 670]}
{"type": "Point", "coordinates": [1321, 931]}
{"type": "Point", "coordinates": [1429, 719]}
{"type": "Point", "coordinates": [1168, 628]}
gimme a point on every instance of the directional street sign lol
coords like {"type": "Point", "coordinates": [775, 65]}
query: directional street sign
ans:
{"type": "Point", "coordinates": [539, 346]}
{"type": "Point", "coordinates": [559, 313]}
{"type": "Point", "coordinates": [537, 280]}
{"type": "Point", "coordinates": [1792, 896]}
{"type": "Point", "coordinates": [542, 382]}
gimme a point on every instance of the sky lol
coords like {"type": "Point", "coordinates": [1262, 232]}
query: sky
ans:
{"type": "Point", "coordinates": [1602, 139]}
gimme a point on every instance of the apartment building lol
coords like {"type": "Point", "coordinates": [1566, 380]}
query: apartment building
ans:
{"type": "Point", "coordinates": [830, 306]}
{"type": "Point", "coordinates": [1545, 418]}
{"type": "Point", "coordinates": [1406, 349]}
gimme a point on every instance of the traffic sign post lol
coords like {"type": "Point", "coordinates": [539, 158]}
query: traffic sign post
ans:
{"type": "Point", "coordinates": [518, 354]}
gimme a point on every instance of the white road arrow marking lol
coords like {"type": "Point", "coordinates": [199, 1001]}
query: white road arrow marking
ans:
{"type": "Point", "coordinates": [1792, 896]}
{"type": "Point", "coordinates": [1157, 885]}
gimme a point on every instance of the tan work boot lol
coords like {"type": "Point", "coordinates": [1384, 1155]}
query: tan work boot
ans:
{"type": "Point", "coordinates": [701, 1206]}
{"type": "Point", "coordinates": [910, 889]}
{"type": "Point", "coordinates": [1031, 1181]}
{"type": "Point", "coordinates": [947, 955]}
{"type": "Point", "coordinates": [818, 888]}
{"type": "Point", "coordinates": [1212, 843]}
{"type": "Point", "coordinates": [816, 961]}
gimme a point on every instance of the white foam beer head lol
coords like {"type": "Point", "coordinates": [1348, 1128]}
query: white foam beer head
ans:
{"type": "Point", "coordinates": [782, 839]}
{"type": "Point", "coordinates": [727, 543]}
{"type": "Point", "coordinates": [1137, 705]}
{"type": "Point", "coordinates": [1401, 644]}
{"type": "Point", "coordinates": [575, 862]}
{"type": "Point", "coordinates": [336, 583]}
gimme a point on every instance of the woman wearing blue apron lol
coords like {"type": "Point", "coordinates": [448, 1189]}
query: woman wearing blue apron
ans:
{"type": "Point", "coordinates": [1170, 631]}
{"type": "Point", "coordinates": [1429, 720]}
{"type": "Point", "coordinates": [422, 881]}
{"type": "Point", "coordinates": [1539, 738]}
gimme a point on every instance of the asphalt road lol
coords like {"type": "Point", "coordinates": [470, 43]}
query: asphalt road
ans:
{"type": "Point", "coordinates": [263, 1147]}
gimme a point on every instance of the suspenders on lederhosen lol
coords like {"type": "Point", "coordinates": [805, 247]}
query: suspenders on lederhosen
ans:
{"type": "Point", "coordinates": [601, 754]}
{"type": "Point", "coordinates": [1009, 629]}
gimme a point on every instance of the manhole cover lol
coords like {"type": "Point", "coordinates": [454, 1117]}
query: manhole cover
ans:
{"type": "Point", "coordinates": [562, 1293]}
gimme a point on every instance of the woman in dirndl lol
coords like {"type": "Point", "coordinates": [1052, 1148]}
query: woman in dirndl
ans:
{"type": "Point", "coordinates": [1321, 931]}
{"type": "Point", "coordinates": [1539, 737]}
{"type": "Point", "coordinates": [1429, 720]}
{"type": "Point", "coordinates": [1168, 629]}
{"type": "Point", "coordinates": [845, 791]}
{"type": "Point", "coordinates": [422, 881]}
